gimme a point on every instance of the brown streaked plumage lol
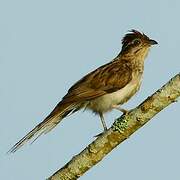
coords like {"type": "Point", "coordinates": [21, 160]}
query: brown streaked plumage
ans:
{"type": "Point", "coordinates": [102, 90]}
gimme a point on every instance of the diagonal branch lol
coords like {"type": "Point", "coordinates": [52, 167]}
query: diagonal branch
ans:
{"type": "Point", "coordinates": [122, 128]}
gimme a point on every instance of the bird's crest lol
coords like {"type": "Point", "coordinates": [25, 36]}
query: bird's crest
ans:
{"type": "Point", "coordinates": [133, 34]}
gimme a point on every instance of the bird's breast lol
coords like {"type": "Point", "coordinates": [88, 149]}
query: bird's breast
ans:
{"type": "Point", "coordinates": [106, 102]}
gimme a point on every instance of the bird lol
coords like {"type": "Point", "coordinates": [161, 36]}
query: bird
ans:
{"type": "Point", "coordinates": [102, 90]}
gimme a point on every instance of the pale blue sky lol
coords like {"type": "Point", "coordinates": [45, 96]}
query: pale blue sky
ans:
{"type": "Point", "coordinates": [46, 46]}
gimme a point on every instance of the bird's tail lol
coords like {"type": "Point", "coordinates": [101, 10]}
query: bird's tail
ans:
{"type": "Point", "coordinates": [59, 112]}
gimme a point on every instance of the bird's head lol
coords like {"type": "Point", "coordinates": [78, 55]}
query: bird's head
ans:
{"type": "Point", "coordinates": [136, 43]}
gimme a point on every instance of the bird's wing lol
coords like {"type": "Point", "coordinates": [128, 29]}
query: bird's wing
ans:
{"type": "Point", "coordinates": [106, 79]}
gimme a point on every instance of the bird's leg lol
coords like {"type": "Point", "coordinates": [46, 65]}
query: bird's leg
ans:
{"type": "Point", "coordinates": [124, 111]}
{"type": "Point", "coordinates": [103, 123]}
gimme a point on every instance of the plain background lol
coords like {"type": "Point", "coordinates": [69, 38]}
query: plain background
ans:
{"type": "Point", "coordinates": [45, 47]}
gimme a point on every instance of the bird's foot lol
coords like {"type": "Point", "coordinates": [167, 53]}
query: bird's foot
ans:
{"type": "Point", "coordinates": [124, 111]}
{"type": "Point", "coordinates": [99, 134]}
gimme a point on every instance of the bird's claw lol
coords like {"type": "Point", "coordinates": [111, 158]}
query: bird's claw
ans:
{"type": "Point", "coordinates": [100, 133]}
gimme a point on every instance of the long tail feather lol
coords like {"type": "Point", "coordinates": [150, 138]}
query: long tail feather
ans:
{"type": "Point", "coordinates": [60, 111]}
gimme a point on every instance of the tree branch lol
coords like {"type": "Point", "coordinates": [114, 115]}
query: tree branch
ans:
{"type": "Point", "coordinates": [121, 129]}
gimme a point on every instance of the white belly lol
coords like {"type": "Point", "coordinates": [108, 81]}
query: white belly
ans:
{"type": "Point", "coordinates": [106, 102]}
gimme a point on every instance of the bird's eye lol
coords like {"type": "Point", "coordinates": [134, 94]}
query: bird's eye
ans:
{"type": "Point", "coordinates": [136, 42]}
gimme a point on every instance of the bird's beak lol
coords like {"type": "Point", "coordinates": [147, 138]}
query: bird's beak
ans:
{"type": "Point", "coordinates": [152, 42]}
